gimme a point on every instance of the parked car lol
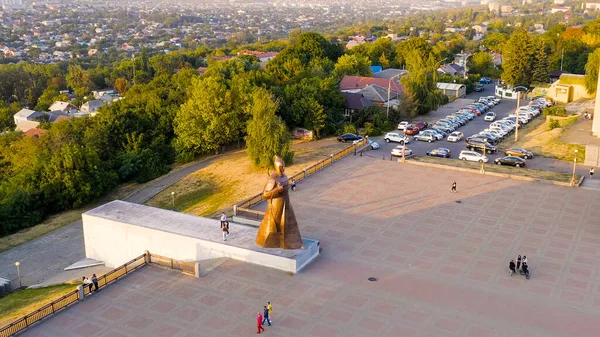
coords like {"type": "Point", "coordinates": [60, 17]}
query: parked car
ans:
{"type": "Point", "coordinates": [374, 145]}
{"type": "Point", "coordinates": [436, 136]}
{"type": "Point", "coordinates": [455, 136]}
{"type": "Point", "coordinates": [479, 88]}
{"type": "Point", "coordinates": [425, 137]}
{"type": "Point", "coordinates": [510, 161]}
{"type": "Point", "coordinates": [360, 138]}
{"type": "Point", "coordinates": [347, 137]}
{"type": "Point", "coordinates": [439, 152]}
{"type": "Point", "coordinates": [485, 80]}
{"type": "Point", "coordinates": [518, 152]}
{"type": "Point", "coordinates": [439, 130]}
{"type": "Point", "coordinates": [480, 144]}
{"type": "Point", "coordinates": [397, 151]}
{"type": "Point", "coordinates": [473, 156]}
{"type": "Point", "coordinates": [396, 137]}
{"type": "Point", "coordinates": [490, 117]}
{"type": "Point", "coordinates": [411, 130]}
{"type": "Point", "coordinates": [403, 125]}
{"type": "Point", "coordinates": [421, 125]}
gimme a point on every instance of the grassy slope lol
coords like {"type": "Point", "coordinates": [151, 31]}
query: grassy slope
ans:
{"type": "Point", "coordinates": [22, 302]}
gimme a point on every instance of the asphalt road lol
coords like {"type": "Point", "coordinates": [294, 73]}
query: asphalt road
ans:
{"type": "Point", "coordinates": [503, 109]}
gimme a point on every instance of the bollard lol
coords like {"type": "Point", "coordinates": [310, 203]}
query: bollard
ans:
{"type": "Point", "coordinates": [81, 293]}
{"type": "Point", "coordinates": [383, 157]}
{"type": "Point", "coordinates": [304, 173]}
{"type": "Point", "coordinates": [332, 159]}
{"type": "Point", "coordinates": [361, 153]}
{"type": "Point", "coordinates": [391, 158]}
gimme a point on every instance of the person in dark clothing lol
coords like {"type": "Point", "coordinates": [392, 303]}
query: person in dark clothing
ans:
{"type": "Point", "coordinates": [266, 316]}
{"type": "Point", "coordinates": [511, 266]}
{"type": "Point", "coordinates": [525, 270]}
{"type": "Point", "coordinates": [519, 262]}
{"type": "Point", "coordinates": [453, 187]}
{"type": "Point", "coordinates": [95, 282]}
{"type": "Point", "coordinates": [294, 185]}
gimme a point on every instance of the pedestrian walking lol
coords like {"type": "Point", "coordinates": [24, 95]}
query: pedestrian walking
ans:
{"type": "Point", "coordinates": [225, 232]}
{"type": "Point", "coordinates": [259, 321]}
{"type": "Point", "coordinates": [88, 283]}
{"type": "Point", "coordinates": [453, 187]}
{"type": "Point", "coordinates": [270, 307]}
{"type": "Point", "coordinates": [266, 316]}
{"type": "Point", "coordinates": [519, 262]}
{"type": "Point", "coordinates": [224, 221]}
{"type": "Point", "coordinates": [95, 282]}
{"type": "Point", "coordinates": [293, 184]}
{"type": "Point", "coordinates": [511, 266]}
{"type": "Point", "coordinates": [591, 172]}
{"type": "Point", "coordinates": [523, 260]}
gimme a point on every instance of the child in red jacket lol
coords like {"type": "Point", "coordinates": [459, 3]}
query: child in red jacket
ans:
{"type": "Point", "coordinates": [259, 321]}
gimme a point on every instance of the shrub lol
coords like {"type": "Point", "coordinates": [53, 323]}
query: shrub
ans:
{"type": "Point", "coordinates": [349, 128]}
{"type": "Point", "coordinates": [371, 130]}
{"type": "Point", "coordinates": [558, 111]}
{"type": "Point", "coordinates": [554, 123]}
{"type": "Point", "coordinates": [387, 126]}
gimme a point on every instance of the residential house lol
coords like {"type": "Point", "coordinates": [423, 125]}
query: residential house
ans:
{"type": "Point", "coordinates": [451, 69]}
{"type": "Point", "coordinates": [452, 89]}
{"type": "Point", "coordinates": [391, 72]}
{"type": "Point", "coordinates": [25, 115]}
{"type": "Point", "coordinates": [376, 69]}
{"type": "Point", "coordinates": [591, 6]}
{"type": "Point", "coordinates": [559, 2]}
{"type": "Point", "coordinates": [99, 93]}
{"type": "Point", "coordinates": [202, 70]}
{"type": "Point", "coordinates": [357, 83]}
{"type": "Point", "coordinates": [92, 107]}
{"type": "Point", "coordinates": [354, 103]}
{"type": "Point", "coordinates": [36, 133]}
{"type": "Point", "coordinates": [378, 95]}
{"type": "Point", "coordinates": [353, 43]}
{"type": "Point", "coordinates": [563, 9]}
{"type": "Point", "coordinates": [64, 107]}
{"type": "Point", "coordinates": [482, 29]}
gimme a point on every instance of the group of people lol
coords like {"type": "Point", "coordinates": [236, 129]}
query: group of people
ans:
{"type": "Point", "coordinates": [93, 283]}
{"type": "Point", "coordinates": [264, 317]}
{"type": "Point", "coordinates": [521, 265]}
{"type": "Point", "coordinates": [586, 115]}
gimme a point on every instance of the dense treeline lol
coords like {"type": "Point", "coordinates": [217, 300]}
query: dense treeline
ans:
{"type": "Point", "coordinates": [171, 112]}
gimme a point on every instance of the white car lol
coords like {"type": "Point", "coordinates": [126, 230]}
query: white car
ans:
{"type": "Point", "coordinates": [455, 136]}
{"type": "Point", "coordinates": [396, 137]}
{"type": "Point", "coordinates": [489, 117]}
{"type": "Point", "coordinates": [374, 145]}
{"type": "Point", "coordinates": [397, 151]}
{"type": "Point", "coordinates": [473, 156]}
{"type": "Point", "coordinates": [403, 125]}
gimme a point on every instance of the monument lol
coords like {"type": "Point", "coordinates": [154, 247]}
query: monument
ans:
{"type": "Point", "coordinates": [279, 228]}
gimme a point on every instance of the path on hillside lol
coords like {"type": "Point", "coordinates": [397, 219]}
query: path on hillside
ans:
{"type": "Point", "coordinates": [48, 255]}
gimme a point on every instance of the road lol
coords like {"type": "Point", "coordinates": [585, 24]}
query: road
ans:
{"type": "Point", "coordinates": [503, 109]}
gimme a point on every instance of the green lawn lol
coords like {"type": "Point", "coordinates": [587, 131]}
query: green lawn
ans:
{"type": "Point", "coordinates": [490, 167]}
{"type": "Point", "coordinates": [21, 302]}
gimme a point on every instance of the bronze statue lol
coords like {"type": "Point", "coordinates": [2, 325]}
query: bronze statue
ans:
{"type": "Point", "coordinates": [279, 228]}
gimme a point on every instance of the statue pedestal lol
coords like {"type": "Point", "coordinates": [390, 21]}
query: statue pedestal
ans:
{"type": "Point", "coordinates": [120, 231]}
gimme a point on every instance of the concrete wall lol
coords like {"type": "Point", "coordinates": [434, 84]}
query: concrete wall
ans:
{"type": "Point", "coordinates": [115, 243]}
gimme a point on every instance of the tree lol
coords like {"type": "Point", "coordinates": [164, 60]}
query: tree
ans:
{"type": "Point", "coordinates": [49, 96]}
{"type": "Point", "coordinates": [406, 47]}
{"type": "Point", "coordinates": [540, 68]}
{"type": "Point", "coordinates": [355, 65]}
{"type": "Point", "coordinates": [267, 134]}
{"type": "Point", "coordinates": [6, 118]}
{"type": "Point", "coordinates": [591, 72]}
{"type": "Point", "coordinates": [79, 80]}
{"type": "Point", "coordinates": [121, 85]}
{"type": "Point", "coordinates": [517, 59]}
{"type": "Point", "coordinates": [421, 82]}
{"type": "Point", "coordinates": [481, 63]}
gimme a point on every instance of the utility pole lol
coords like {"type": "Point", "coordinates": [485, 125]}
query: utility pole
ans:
{"type": "Point", "coordinates": [404, 149]}
{"type": "Point", "coordinates": [482, 160]}
{"type": "Point", "coordinates": [517, 113]}
{"type": "Point", "coordinates": [133, 64]}
{"type": "Point", "coordinates": [562, 57]}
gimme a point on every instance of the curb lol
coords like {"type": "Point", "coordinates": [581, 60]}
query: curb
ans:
{"type": "Point", "coordinates": [495, 174]}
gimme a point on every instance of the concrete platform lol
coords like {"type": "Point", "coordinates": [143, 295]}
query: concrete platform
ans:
{"type": "Point", "coordinates": [119, 231]}
{"type": "Point", "coordinates": [85, 263]}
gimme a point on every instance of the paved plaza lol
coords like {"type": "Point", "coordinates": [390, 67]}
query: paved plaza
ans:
{"type": "Point", "coordinates": [440, 259]}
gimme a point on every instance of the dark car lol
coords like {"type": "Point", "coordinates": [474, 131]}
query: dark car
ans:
{"type": "Point", "coordinates": [485, 80]}
{"type": "Point", "coordinates": [480, 144]}
{"type": "Point", "coordinates": [510, 161]}
{"type": "Point", "coordinates": [411, 130]}
{"type": "Point", "coordinates": [488, 138]}
{"type": "Point", "coordinates": [479, 88]}
{"type": "Point", "coordinates": [421, 125]}
{"type": "Point", "coordinates": [440, 152]}
{"type": "Point", "coordinates": [349, 137]}
{"type": "Point", "coordinates": [518, 152]}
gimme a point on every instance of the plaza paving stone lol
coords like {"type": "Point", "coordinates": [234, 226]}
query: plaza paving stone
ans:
{"type": "Point", "coordinates": [441, 266]}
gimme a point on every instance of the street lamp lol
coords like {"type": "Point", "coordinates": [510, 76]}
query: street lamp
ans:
{"type": "Point", "coordinates": [574, 167]}
{"type": "Point", "coordinates": [389, 89]}
{"type": "Point", "coordinates": [465, 65]}
{"type": "Point", "coordinates": [519, 90]}
{"type": "Point", "coordinates": [18, 264]}
{"type": "Point", "coordinates": [173, 198]}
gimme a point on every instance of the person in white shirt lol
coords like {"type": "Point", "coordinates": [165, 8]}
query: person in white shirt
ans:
{"type": "Point", "coordinates": [87, 282]}
{"type": "Point", "coordinates": [224, 222]}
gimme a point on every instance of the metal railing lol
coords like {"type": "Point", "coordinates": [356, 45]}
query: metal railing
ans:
{"type": "Point", "coordinates": [244, 206]}
{"type": "Point", "coordinates": [186, 267]}
{"type": "Point", "coordinates": [104, 280]}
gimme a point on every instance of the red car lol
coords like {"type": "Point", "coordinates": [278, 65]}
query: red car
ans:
{"type": "Point", "coordinates": [412, 130]}
{"type": "Point", "coordinates": [421, 125]}
{"type": "Point", "coordinates": [475, 111]}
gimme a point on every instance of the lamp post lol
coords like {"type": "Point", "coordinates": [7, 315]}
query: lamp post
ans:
{"type": "Point", "coordinates": [574, 168]}
{"type": "Point", "coordinates": [465, 65]}
{"type": "Point", "coordinates": [18, 264]}
{"type": "Point", "coordinates": [389, 90]}
{"type": "Point", "coordinates": [173, 199]}
{"type": "Point", "coordinates": [483, 161]}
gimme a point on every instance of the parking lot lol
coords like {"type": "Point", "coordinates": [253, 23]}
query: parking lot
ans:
{"type": "Point", "coordinates": [503, 109]}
